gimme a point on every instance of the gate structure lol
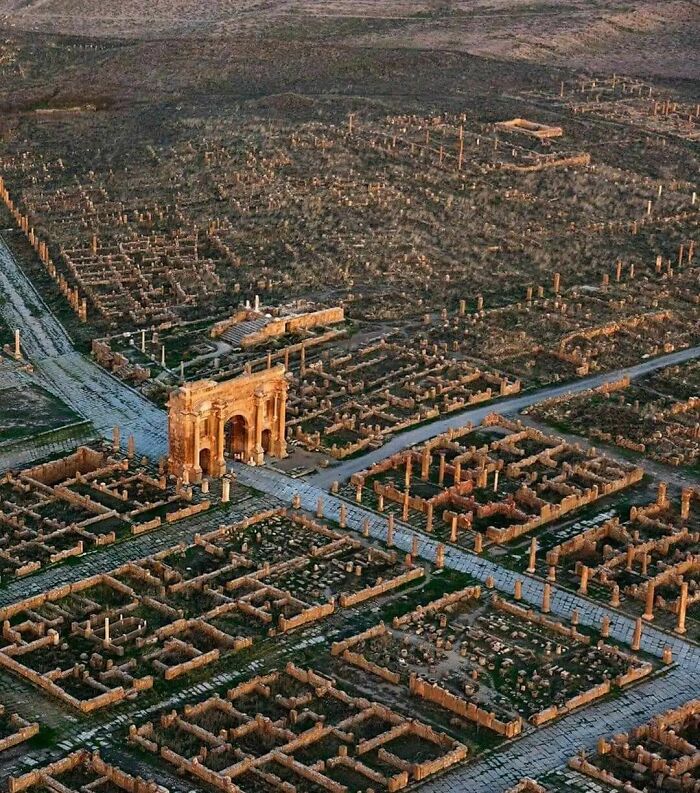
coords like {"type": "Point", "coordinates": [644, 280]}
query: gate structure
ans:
{"type": "Point", "coordinates": [242, 418]}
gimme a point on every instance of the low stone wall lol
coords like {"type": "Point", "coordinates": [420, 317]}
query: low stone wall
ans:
{"type": "Point", "coordinates": [467, 710]}
{"type": "Point", "coordinates": [309, 615]}
{"type": "Point", "coordinates": [187, 512]}
{"type": "Point", "coordinates": [350, 599]}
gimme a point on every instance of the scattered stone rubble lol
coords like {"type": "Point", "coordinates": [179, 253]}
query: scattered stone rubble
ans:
{"type": "Point", "coordinates": [289, 729]}
{"type": "Point", "coordinates": [98, 641]}
{"type": "Point", "coordinates": [657, 416]}
{"type": "Point", "coordinates": [87, 499]}
{"type": "Point", "coordinates": [491, 661]}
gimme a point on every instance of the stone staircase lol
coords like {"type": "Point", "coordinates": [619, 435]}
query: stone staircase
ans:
{"type": "Point", "coordinates": [235, 334]}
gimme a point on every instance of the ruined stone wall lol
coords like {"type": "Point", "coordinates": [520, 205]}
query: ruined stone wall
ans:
{"type": "Point", "coordinates": [467, 710]}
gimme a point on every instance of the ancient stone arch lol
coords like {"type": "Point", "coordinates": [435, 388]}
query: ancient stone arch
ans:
{"type": "Point", "coordinates": [242, 418]}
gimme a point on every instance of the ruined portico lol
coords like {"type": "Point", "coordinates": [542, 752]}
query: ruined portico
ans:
{"type": "Point", "coordinates": [243, 418]}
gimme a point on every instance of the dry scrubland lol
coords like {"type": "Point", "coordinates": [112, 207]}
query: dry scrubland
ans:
{"type": "Point", "coordinates": [641, 36]}
{"type": "Point", "coordinates": [207, 189]}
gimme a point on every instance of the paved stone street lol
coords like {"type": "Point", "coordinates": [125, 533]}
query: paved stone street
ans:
{"type": "Point", "coordinates": [506, 406]}
{"type": "Point", "coordinates": [548, 748]}
{"type": "Point", "coordinates": [105, 559]}
{"type": "Point", "coordinates": [86, 387]}
{"type": "Point", "coordinates": [106, 402]}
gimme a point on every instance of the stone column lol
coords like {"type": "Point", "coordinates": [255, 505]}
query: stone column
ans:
{"type": "Point", "coordinates": [342, 516]}
{"type": "Point", "coordinates": [605, 627]}
{"type": "Point", "coordinates": [429, 517]}
{"type": "Point", "coordinates": [686, 494]}
{"type": "Point", "coordinates": [649, 606]}
{"type": "Point", "coordinates": [390, 530]}
{"type": "Point", "coordinates": [18, 350]}
{"type": "Point", "coordinates": [440, 556]}
{"type": "Point", "coordinates": [196, 429]}
{"type": "Point", "coordinates": [547, 598]}
{"type": "Point", "coordinates": [478, 542]}
{"type": "Point", "coordinates": [220, 438]}
{"type": "Point", "coordinates": [258, 453]}
{"type": "Point", "coordinates": [533, 556]}
{"type": "Point", "coordinates": [281, 402]}
{"type": "Point", "coordinates": [637, 636]}
{"type": "Point", "coordinates": [453, 529]}
{"type": "Point", "coordinates": [518, 589]}
{"type": "Point", "coordinates": [583, 586]}
{"type": "Point", "coordinates": [615, 596]}
{"type": "Point", "coordinates": [682, 608]}
{"type": "Point", "coordinates": [225, 490]}
{"type": "Point", "coordinates": [116, 441]}
{"type": "Point", "coordinates": [425, 464]}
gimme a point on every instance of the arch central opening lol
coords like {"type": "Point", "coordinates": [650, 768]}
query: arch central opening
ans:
{"type": "Point", "coordinates": [205, 461]}
{"type": "Point", "coordinates": [236, 437]}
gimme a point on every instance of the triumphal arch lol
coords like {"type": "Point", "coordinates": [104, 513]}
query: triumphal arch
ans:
{"type": "Point", "coordinates": [242, 418]}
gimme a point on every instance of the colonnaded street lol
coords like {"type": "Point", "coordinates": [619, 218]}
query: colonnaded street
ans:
{"type": "Point", "coordinates": [107, 402]}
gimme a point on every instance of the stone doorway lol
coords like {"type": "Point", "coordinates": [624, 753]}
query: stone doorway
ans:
{"type": "Point", "coordinates": [236, 431]}
{"type": "Point", "coordinates": [205, 461]}
{"type": "Point", "coordinates": [267, 441]}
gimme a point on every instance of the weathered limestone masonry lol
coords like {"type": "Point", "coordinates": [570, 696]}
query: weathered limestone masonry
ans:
{"type": "Point", "coordinates": [16, 729]}
{"type": "Point", "coordinates": [51, 777]}
{"type": "Point", "coordinates": [653, 557]}
{"type": "Point", "coordinates": [118, 363]}
{"type": "Point", "coordinates": [243, 417]}
{"type": "Point", "coordinates": [187, 606]}
{"type": "Point", "coordinates": [276, 327]}
{"type": "Point", "coordinates": [446, 636]}
{"type": "Point", "coordinates": [523, 479]}
{"type": "Point", "coordinates": [89, 498]}
{"type": "Point", "coordinates": [533, 128]}
{"type": "Point", "coordinates": [72, 295]}
{"type": "Point", "coordinates": [527, 786]}
{"type": "Point", "coordinates": [635, 670]}
{"type": "Point", "coordinates": [346, 403]}
{"type": "Point", "coordinates": [633, 102]}
{"type": "Point", "coordinates": [658, 415]}
{"type": "Point", "coordinates": [663, 751]}
{"type": "Point", "coordinates": [299, 697]}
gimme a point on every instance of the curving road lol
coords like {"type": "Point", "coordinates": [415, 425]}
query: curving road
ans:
{"type": "Point", "coordinates": [503, 406]}
{"type": "Point", "coordinates": [106, 402]}
{"type": "Point", "coordinates": [80, 382]}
